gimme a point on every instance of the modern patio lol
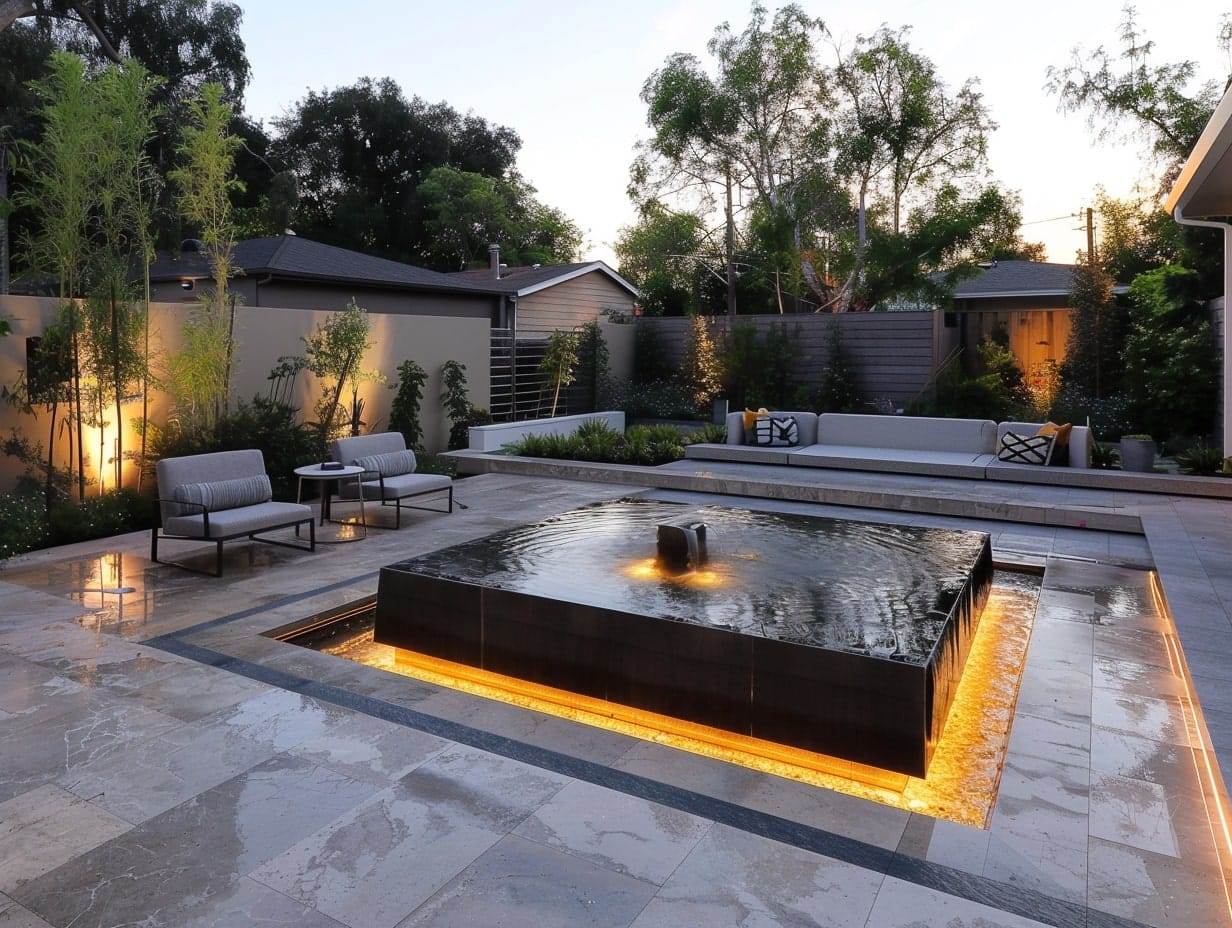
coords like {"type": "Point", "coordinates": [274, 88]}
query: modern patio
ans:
{"type": "Point", "coordinates": [166, 763]}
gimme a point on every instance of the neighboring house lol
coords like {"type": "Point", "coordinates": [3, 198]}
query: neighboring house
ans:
{"type": "Point", "coordinates": [546, 298]}
{"type": "Point", "coordinates": [521, 306]}
{"type": "Point", "coordinates": [290, 272]}
{"type": "Point", "coordinates": [1028, 300]}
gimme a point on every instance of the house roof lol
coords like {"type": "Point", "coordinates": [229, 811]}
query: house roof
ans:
{"type": "Point", "coordinates": [1017, 278]}
{"type": "Point", "coordinates": [292, 257]}
{"type": "Point", "coordinates": [1203, 189]}
{"type": "Point", "coordinates": [522, 281]}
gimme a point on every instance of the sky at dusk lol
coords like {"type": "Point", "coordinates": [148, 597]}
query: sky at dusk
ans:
{"type": "Point", "coordinates": [566, 76]}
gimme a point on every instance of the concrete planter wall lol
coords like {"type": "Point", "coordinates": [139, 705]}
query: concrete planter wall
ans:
{"type": "Point", "coordinates": [1138, 454]}
{"type": "Point", "coordinates": [494, 437]}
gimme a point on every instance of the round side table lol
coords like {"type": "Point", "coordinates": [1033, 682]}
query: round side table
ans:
{"type": "Point", "coordinates": [324, 476]}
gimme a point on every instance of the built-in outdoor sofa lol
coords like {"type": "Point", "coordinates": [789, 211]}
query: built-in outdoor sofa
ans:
{"type": "Point", "coordinates": [895, 444]}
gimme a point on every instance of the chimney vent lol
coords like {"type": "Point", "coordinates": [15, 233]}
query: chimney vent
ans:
{"type": "Point", "coordinates": [494, 260]}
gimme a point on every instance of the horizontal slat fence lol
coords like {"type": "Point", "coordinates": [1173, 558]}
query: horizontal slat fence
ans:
{"type": "Point", "coordinates": [894, 354]}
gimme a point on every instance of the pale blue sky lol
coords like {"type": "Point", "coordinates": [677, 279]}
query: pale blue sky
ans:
{"type": "Point", "coordinates": [566, 77]}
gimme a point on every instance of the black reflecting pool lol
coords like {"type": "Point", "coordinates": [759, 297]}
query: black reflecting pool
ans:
{"type": "Point", "coordinates": [840, 637]}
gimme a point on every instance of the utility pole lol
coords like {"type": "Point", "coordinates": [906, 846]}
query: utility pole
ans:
{"type": "Point", "coordinates": [1090, 236]}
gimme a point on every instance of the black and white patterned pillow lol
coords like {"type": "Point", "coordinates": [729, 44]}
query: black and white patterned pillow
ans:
{"type": "Point", "coordinates": [776, 431]}
{"type": "Point", "coordinates": [1025, 449]}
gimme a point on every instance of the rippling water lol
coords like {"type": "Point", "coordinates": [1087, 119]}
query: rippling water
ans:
{"type": "Point", "coordinates": [844, 585]}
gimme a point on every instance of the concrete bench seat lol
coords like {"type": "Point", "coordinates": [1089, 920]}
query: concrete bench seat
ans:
{"type": "Point", "coordinates": [893, 460]}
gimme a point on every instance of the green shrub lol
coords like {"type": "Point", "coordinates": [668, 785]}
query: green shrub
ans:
{"type": "Point", "coordinates": [1200, 459]}
{"type": "Point", "coordinates": [23, 523]}
{"type": "Point", "coordinates": [657, 399]}
{"type": "Point", "coordinates": [114, 513]}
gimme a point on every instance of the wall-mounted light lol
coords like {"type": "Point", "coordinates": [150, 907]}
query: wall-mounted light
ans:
{"type": "Point", "coordinates": [186, 285]}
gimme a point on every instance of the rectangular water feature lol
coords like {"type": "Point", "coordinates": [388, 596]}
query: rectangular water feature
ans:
{"type": "Point", "coordinates": [840, 637]}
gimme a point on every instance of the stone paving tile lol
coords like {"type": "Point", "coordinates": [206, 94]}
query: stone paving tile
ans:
{"type": "Point", "coordinates": [13, 915]}
{"type": "Point", "coordinates": [615, 831]}
{"type": "Point", "coordinates": [521, 884]}
{"type": "Point", "coordinates": [247, 902]}
{"type": "Point", "coordinates": [1153, 889]}
{"type": "Point", "coordinates": [160, 870]}
{"type": "Point", "coordinates": [734, 878]}
{"type": "Point", "coordinates": [47, 827]}
{"type": "Point", "coordinates": [904, 905]}
{"type": "Point", "coordinates": [1054, 870]}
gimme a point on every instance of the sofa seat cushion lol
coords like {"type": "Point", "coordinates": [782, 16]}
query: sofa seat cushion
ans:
{"type": "Point", "coordinates": [388, 463]}
{"type": "Point", "coordinates": [397, 487]}
{"type": "Point", "coordinates": [217, 495]}
{"type": "Point", "coordinates": [227, 523]}
{"type": "Point", "coordinates": [893, 460]}
{"type": "Point", "coordinates": [910, 433]}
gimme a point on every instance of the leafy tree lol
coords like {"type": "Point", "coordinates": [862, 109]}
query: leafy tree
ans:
{"type": "Point", "coordinates": [804, 143]}
{"type": "Point", "coordinates": [663, 255]}
{"type": "Point", "coordinates": [465, 212]}
{"type": "Point", "coordinates": [560, 361]}
{"type": "Point", "coordinates": [701, 370]}
{"type": "Point", "coordinates": [334, 352]}
{"type": "Point", "coordinates": [205, 181]}
{"type": "Point", "coordinates": [360, 154]}
{"type": "Point", "coordinates": [1092, 366]}
{"type": "Point", "coordinates": [1171, 361]}
{"type": "Point", "coordinates": [901, 130]}
{"type": "Point", "coordinates": [457, 403]}
{"type": "Point", "coordinates": [60, 190]}
{"type": "Point", "coordinates": [1129, 89]}
{"type": "Point", "coordinates": [404, 410]}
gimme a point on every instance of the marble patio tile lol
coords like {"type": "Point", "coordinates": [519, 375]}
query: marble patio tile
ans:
{"type": "Point", "coordinates": [157, 873]}
{"type": "Point", "coordinates": [247, 902]}
{"type": "Point", "coordinates": [1063, 741]}
{"type": "Point", "coordinates": [123, 669]}
{"type": "Point", "coordinates": [160, 773]}
{"type": "Point", "coordinates": [736, 878]}
{"type": "Point", "coordinates": [45, 828]}
{"type": "Point", "coordinates": [620, 832]}
{"type": "Point", "coordinates": [1153, 889]}
{"type": "Point", "coordinates": [483, 790]}
{"type": "Point", "coordinates": [961, 847]}
{"type": "Point", "coordinates": [849, 816]}
{"type": "Point", "coordinates": [543, 730]}
{"type": "Point", "coordinates": [1133, 677]}
{"type": "Point", "coordinates": [34, 694]}
{"type": "Point", "coordinates": [1055, 870]}
{"type": "Point", "coordinates": [1134, 644]}
{"type": "Point", "coordinates": [196, 691]}
{"type": "Point", "coordinates": [1124, 754]}
{"type": "Point", "coordinates": [1042, 801]}
{"type": "Point", "coordinates": [905, 905]}
{"type": "Point", "coordinates": [1159, 719]}
{"type": "Point", "coordinates": [1055, 691]}
{"type": "Point", "coordinates": [375, 865]}
{"type": "Point", "coordinates": [1133, 812]}
{"type": "Point", "coordinates": [370, 749]}
{"type": "Point", "coordinates": [92, 729]}
{"type": "Point", "coordinates": [707, 776]}
{"type": "Point", "coordinates": [278, 718]}
{"type": "Point", "coordinates": [13, 915]}
{"type": "Point", "coordinates": [520, 884]}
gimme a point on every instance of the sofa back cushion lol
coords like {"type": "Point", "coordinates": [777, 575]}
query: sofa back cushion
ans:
{"type": "Point", "coordinates": [806, 427]}
{"type": "Point", "coordinates": [204, 468]}
{"type": "Point", "coordinates": [388, 464]}
{"type": "Point", "coordinates": [215, 495]}
{"type": "Point", "coordinates": [347, 450]}
{"type": "Point", "coordinates": [908, 433]}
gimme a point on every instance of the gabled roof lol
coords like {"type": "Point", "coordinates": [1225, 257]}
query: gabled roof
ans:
{"type": "Point", "coordinates": [522, 281]}
{"type": "Point", "coordinates": [289, 257]}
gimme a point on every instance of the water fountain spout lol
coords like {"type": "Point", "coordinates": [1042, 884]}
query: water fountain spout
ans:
{"type": "Point", "coordinates": [682, 546]}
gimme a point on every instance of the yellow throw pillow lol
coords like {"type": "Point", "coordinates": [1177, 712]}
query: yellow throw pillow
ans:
{"type": "Point", "coordinates": [750, 419]}
{"type": "Point", "coordinates": [1059, 433]}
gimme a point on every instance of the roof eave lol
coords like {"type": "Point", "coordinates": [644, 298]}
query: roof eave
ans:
{"type": "Point", "coordinates": [1213, 148]}
{"type": "Point", "coordinates": [579, 272]}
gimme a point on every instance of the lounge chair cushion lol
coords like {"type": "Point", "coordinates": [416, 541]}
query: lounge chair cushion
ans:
{"type": "Point", "coordinates": [388, 464]}
{"type": "Point", "coordinates": [216, 495]}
